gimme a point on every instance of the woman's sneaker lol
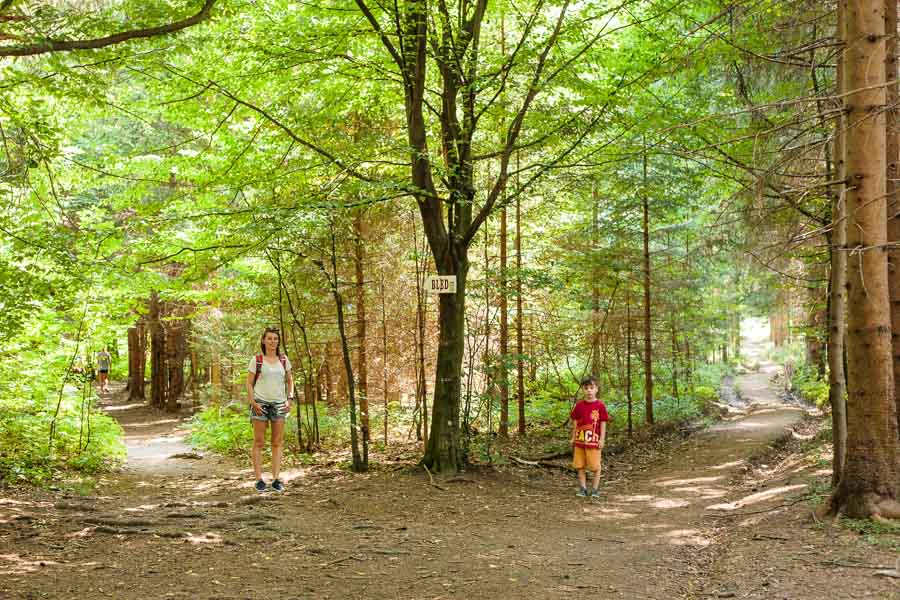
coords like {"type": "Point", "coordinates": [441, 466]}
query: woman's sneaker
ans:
{"type": "Point", "coordinates": [277, 485]}
{"type": "Point", "coordinates": [582, 492]}
{"type": "Point", "coordinates": [595, 493]}
{"type": "Point", "coordinates": [260, 486]}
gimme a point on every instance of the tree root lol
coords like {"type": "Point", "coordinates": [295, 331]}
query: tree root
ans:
{"type": "Point", "coordinates": [431, 480]}
{"type": "Point", "coordinates": [540, 463]}
{"type": "Point", "coordinates": [883, 509]}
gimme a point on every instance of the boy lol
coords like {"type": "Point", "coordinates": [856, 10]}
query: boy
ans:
{"type": "Point", "coordinates": [589, 419]}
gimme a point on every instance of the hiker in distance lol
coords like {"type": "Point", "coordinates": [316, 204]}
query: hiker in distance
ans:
{"type": "Point", "coordinates": [270, 388]}
{"type": "Point", "coordinates": [104, 361]}
{"type": "Point", "coordinates": [589, 418]}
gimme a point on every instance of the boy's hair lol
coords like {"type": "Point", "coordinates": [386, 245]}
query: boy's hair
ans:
{"type": "Point", "coordinates": [589, 380]}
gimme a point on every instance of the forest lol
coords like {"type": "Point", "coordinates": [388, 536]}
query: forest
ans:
{"type": "Point", "coordinates": [695, 201]}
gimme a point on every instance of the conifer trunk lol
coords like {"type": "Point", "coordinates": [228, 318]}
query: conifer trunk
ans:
{"type": "Point", "coordinates": [648, 344]}
{"type": "Point", "coordinates": [520, 336]}
{"type": "Point", "coordinates": [504, 329]}
{"type": "Point", "coordinates": [869, 483]}
{"type": "Point", "coordinates": [837, 284]}
{"type": "Point", "coordinates": [892, 148]}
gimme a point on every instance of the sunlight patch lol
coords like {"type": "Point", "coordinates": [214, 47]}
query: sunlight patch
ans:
{"type": "Point", "coordinates": [757, 497]}
{"type": "Point", "coordinates": [16, 564]}
{"type": "Point", "coordinates": [670, 503]}
{"type": "Point", "coordinates": [206, 538]}
{"type": "Point", "coordinates": [603, 514]}
{"type": "Point", "coordinates": [703, 492]}
{"type": "Point", "coordinates": [671, 482]}
{"type": "Point", "coordinates": [729, 465]}
{"type": "Point", "coordinates": [687, 537]}
{"type": "Point", "coordinates": [636, 498]}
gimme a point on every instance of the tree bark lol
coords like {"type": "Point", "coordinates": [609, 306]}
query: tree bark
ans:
{"type": "Point", "coordinates": [158, 367]}
{"type": "Point", "coordinates": [892, 148]}
{"type": "Point", "coordinates": [443, 450]}
{"type": "Point", "coordinates": [176, 351]}
{"type": "Point", "coordinates": [504, 330]}
{"type": "Point", "coordinates": [628, 355]}
{"type": "Point", "coordinates": [837, 284]}
{"type": "Point", "coordinates": [869, 484]}
{"type": "Point", "coordinates": [520, 335]}
{"type": "Point", "coordinates": [137, 360]}
{"type": "Point", "coordinates": [595, 285]}
{"type": "Point", "coordinates": [421, 387]}
{"type": "Point", "coordinates": [384, 357]}
{"type": "Point", "coordinates": [648, 344]}
{"type": "Point", "coordinates": [360, 459]}
{"type": "Point", "coordinates": [362, 373]}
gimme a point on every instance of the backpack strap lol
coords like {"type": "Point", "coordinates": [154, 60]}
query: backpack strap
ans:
{"type": "Point", "coordinates": [259, 361]}
{"type": "Point", "coordinates": [283, 359]}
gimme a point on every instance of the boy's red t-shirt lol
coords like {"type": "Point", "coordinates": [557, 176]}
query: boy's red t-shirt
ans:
{"type": "Point", "coordinates": [587, 417]}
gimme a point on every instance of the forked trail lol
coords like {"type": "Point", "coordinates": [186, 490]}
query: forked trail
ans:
{"type": "Point", "coordinates": [697, 520]}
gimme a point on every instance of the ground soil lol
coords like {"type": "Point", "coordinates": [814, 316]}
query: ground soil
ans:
{"type": "Point", "coordinates": [725, 512]}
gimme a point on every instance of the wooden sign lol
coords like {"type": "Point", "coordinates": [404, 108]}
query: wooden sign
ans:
{"type": "Point", "coordinates": [440, 284]}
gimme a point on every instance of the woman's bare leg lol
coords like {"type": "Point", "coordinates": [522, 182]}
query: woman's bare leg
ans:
{"type": "Point", "coordinates": [259, 442]}
{"type": "Point", "coordinates": [277, 446]}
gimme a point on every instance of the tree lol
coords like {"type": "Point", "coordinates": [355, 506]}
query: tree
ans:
{"type": "Point", "coordinates": [446, 193]}
{"type": "Point", "coordinates": [870, 483]}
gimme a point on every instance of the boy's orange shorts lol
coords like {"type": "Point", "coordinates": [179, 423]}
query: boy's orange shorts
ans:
{"type": "Point", "coordinates": [586, 458]}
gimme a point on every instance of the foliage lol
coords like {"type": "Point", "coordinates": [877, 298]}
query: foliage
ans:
{"type": "Point", "coordinates": [881, 533]}
{"type": "Point", "coordinates": [86, 440]}
{"type": "Point", "coordinates": [214, 167]}
{"type": "Point", "coordinates": [811, 386]}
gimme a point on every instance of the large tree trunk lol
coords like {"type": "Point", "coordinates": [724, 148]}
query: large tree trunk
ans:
{"type": "Point", "coordinates": [442, 452]}
{"type": "Point", "coordinates": [869, 485]}
{"type": "Point", "coordinates": [837, 281]}
{"type": "Point", "coordinates": [648, 343]}
{"type": "Point", "coordinates": [892, 148]}
{"type": "Point", "coordinates": [176, 351]}
{"type": "Point", "coordinates": [158, 370]}
{"type": "Point", "coordinates": [137, 359]}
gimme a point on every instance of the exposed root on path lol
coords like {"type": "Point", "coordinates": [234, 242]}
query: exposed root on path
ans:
{"type": "Point", "coordinates": [863, 506]}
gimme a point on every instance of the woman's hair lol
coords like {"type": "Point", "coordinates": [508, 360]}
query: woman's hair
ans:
{"type": "Point", "coordinates": [590, 379]}
{"type": "Point", "coordinates": [262, 340]}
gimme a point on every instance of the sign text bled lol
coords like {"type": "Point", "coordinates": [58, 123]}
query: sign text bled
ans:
{"type": "Point", "coordinates": [441, 284]}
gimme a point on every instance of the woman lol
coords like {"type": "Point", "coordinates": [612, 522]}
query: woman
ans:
{"type": "Point", "coordinates": [270, 387]}
{"type": "Point", "coordinates": [104, 361]}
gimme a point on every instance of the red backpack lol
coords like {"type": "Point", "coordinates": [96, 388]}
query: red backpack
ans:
{"type": "Point", "coordinates": [259, 362]}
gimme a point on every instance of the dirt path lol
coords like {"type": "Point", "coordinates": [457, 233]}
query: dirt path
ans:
{"type": "Point", "coordinates": [671, 524]}
{"type": "Point", "coordinates": [156, 441]}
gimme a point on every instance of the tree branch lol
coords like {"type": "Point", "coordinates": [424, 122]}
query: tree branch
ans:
{"type": "Point", "coordinates": [118, 38]}
{"type": "Point", "coordinates": [305, 143]}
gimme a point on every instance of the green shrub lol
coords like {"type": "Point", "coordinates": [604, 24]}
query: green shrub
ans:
{"type": "Point", "coordinates": [705, 394]}
{"type": "Point", "coordinates": [88, 442]}
{"type": "Point", "coordinates": [227, 430]}
{"type": "Point", "coordinates": [810, 386]}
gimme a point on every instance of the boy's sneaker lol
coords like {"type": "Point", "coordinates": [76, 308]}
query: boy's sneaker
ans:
{"type": "Point", "coordinates": [595, 493]}
{"type": "Point", "coordinates": [277, 485]}
{"type": "Point", "coordinates": [582, 492]}
{"type": "Point", "coordinates": [260, 486]}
